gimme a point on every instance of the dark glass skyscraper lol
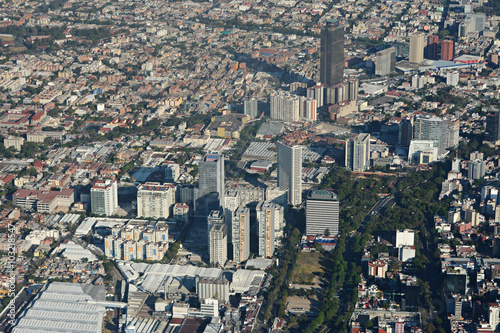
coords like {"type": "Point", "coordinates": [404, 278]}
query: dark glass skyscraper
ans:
{"type": "Point", "coordinates": [332, 54]}
{"type": "Point", "coordinates": [493, 126]}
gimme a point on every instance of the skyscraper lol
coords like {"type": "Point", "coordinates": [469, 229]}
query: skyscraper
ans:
{"type": "Point", "coordinates": [322, 213]}
{"type": "Point", "coordinates": [217, 239]}
{"type": "Point", "coordinates": [357, 152]}
{"type": "Point", "coordinates": [240, 234]}
{"type": "Point", "coordinates": [432, 47]}
{"type": "Point", "coordinates": [405, 133]}
{"type": "Point", "coordinates": [290, 170]}
{"type": "Point", "coordinates": [493, 126]}
{"type": "Point", "coordinates": [447, 52]}
{"type": "Point", "coordinates": [385, 61]}
{"type": "Point", "coordinates": [268, 216]}
{"type": "Point", "coordinates": [211, 179]}
{"type": "Point", "coordinates": [250, 108]}
{"type": "Point", "coordinates": [417, 47]}
{"type": "Point", "coordinates": [104, 197]}
{"type": "Point", "coordinates": [332, 54]}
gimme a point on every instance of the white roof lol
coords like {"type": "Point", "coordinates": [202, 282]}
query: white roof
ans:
{"type": "Point", "coordinates": [61, 307]}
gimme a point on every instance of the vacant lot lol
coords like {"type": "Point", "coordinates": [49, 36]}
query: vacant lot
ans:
{"type": "Point", "coordinates": [308, 268]}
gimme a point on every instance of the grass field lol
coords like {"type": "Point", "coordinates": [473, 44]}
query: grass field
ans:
{"type": "Point", "coordinates": [308, 266]}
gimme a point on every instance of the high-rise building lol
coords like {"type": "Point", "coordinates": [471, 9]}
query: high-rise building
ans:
{"type": "Point", "coordinates": [477, 169]}
{"type": "Point", "coordinates": [290, 170]}
{"type": "Point", "coordinates": [322, 213]}
{"type": "Point", "coordinates": [231, 203]}
{"type": "Point", "coordinates": [357, 153]}
{"type": "Point", "coordinates": [104, 197]}
{"type": "Point", "coordinates": [215, 217]}
{"type": "Point", "coordinates": [432, 47]}
{"type": "Point", "coordinates": [318, 93]}
{"type": "Point", "coordinates": [426, 127]}
{"type": "Point", "coordinates": [250, 108]}
{"type": "Point", "coordinates": [452, 132]}
{"type": "Point", "coordinates": [417, 47]}
{"type": "Point", "coordinates": [290, 108]}
{"type": "Point", "coordinates": [447, 52]}
{"type": "Point", "coordinates": [240, 234]}
{"type": "Point", "coordinates": [385, 61]}
{"type": "Point", "coordinates": [332, 54]}
{"type": "Point", "coordinates": [405, 133]}
{"type": "Point", "coordinates": [155, 200]}
{"type": "Point", "coordinates": [285, 107]}
{"type": "Point", "coordinates": [211, 175]}
{"type": "Point", "coordinates": [494, 315]}
{"type": "Point", "coordinates": [493, 126]}
{"type": "Point", "coordinates": [217, 239]}
{"type": "Point", "coordinates": [268, 216]}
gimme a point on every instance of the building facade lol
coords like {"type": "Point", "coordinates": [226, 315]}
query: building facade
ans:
{"type": "Point", "coordinates": [357, 153]}
{"type": "Point", "coordinates": [240, 234]}
{"type": "Point", "coordinates": [332, 54]}
{"type": "Point", "coordinates": [104, 197]}
{"type": "Point", "coordinates": [290, 170]}
{"type": "Point", "coordinates": [155, 200]}
{"type": "Point", "coordinates": [322, 213]}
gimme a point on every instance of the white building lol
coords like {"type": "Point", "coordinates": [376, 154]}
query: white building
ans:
{"type": "Point", "coordinates": [155, 200]}
{"type": "Point", "coordinates": [218, 244]}
{"type": "Point", "coordinates": [104, 197]}
{"type": "Point", "coordinates": [268, 216]}
{"type": "Point", "coordinates": [405, 238]}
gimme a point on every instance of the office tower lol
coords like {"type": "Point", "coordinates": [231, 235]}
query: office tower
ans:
{"type": "Point", "coordinates": [250, 108]}
{"type": "Point", "coordinates": [432, 47]}
{"type": "Point", "coordinates": [154, 200]}
{"type": "Point", "coordinates": [447, 52]}
{"type": "Point", "coordinates": [290, 170]}
{"type": "Point", "coordinates": [427, 127]}
{"type": "Point", "coordinates": [332, 54]}
{"type": "Point", "coordinates": [318, 93]}
{"type": "Point", "coordinates": [322, 213]}
{"type": "Point", "coordinates": [357, 153]}
{"type": "Point", "coordinates": [477, 169]}
{"type": "Point", "coordinates": [211, 179]}
{"type": "Point", "coordinates": [240, 234]}
{"type": "Point", "coordinates": [104, 197]}
{"type": "Point", "coordinates": [405, 133]}
{"type": "Point", "coordinates": [417, 47]}
{"type": "Point", "coordinates": [385, 61]}
{"type": "Point", "coordinates": [285, 107]}
{"type": "Point", "coordinates": [493, 126]}
{"type": "Point", "coordinates": [218, 244]}
{"type": "Point", "coordinates": [269, 215]}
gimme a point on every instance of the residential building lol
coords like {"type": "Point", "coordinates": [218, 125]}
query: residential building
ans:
{"type": "Point", "coordinates": [432, 47]}
{"type": "Point", "coordinates": [447, 50]}
{"type": "Point", "coordinates": [268, 216]}
{"type": "Point", "coordinates": [251, 108]}
{"type": "Point", "coordinates": [290, 170]}
{"type": "Point", "coordinates": [155, 200]}
{"type": "Point", "coordinates": [322, 213]}
{"type": "Point", "coordinates": [217, 239]}
{"type": "Point", "coordinates": [240, 234]}
{"type": "Point", "coordinates": [357, 152]}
